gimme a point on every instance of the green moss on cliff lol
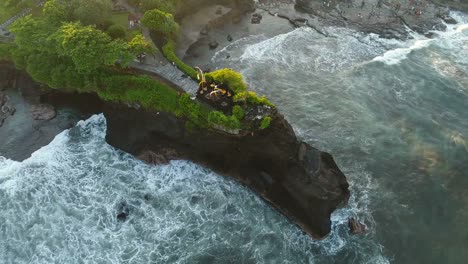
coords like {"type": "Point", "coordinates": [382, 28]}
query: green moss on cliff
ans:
{"type": "Point", "coordinates": [169, 52]}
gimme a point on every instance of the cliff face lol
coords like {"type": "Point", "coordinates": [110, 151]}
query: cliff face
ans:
{"type": "Point", "coordinates": [300, 181]}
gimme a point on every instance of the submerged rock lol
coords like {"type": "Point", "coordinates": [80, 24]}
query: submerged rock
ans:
{"type": "Point", "coordinates": [122, 211]}
{"type": "Point", "coordinates": [256, 18]}
{"type": "Point", "coordinates": [213, 44]}
{"type": "Point", "coordinates": [122, 217]}
{"type": "Point", "coordinates": [356, 227]}
{"type": "Point", "coordinates": [386, 18]}
{"type": "Point", "coordinates": [42, 111]}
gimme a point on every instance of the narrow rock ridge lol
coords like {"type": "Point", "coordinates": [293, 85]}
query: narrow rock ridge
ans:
{"type": "Point", "coordinates": [300, 181]}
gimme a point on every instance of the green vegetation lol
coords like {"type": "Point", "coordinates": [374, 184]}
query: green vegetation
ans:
{"type": "Point", "coordinates": [169, 52]}
{"type": "Point", "coordinates": [88, 12]}
{"type": "Point", "coordinates": [229, 78]}
{"type": "Point", "coordinates": [218, 118]}
{"type": "Point", "coordinates": [252, 98]}
{"type": "Point", "coordinates": [6, 12]}
{"type": "Point", "coordinates": [117, 32]}
{"type": "Point", "coordinates": [139, 89]}
{"type": "Point", "coordinates": [18, 4]}
{"type": "Point", "coordinates": [5, 49]}
{"type": "Point", "coordinates": [238, 112]}
{"type": "Point", "coordinates": [160, 22]}
{"type": "Point", "coordinates": [139, 45]}
{"type": "Point", "coordinates": [168, 6]}
{"type": "Point", "coordinates": [119, 18]}
{"type": "Point", "coordinates": [81, 45]}
{"type": "Point", "coordinates": [265, 122]}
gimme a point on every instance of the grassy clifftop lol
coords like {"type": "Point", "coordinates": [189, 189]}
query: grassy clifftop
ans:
{"type": "Point", "coordinates": [64, 48]}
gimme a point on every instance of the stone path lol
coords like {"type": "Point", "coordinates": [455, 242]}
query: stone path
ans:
{"type": "Point", "coordinates": [158, 64]}
{"type": "Point", "coordinates": [3, 27]}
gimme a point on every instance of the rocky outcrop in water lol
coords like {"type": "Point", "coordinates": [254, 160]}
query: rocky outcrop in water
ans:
{"type": "Point", "coordinates": [300, 181]}
{"type": "Point", "coordinates": [356, 227]}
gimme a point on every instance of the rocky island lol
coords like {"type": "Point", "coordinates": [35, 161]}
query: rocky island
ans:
{"type": "Point", "coordinates": [159, 108]}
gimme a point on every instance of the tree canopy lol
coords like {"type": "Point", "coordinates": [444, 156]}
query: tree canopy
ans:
{"type": "Point", "coordinates": [160, 22]}
{"type": "Point", "coordinates": [68, 54]}
{"type": "Point", "coordinates": [88, 12]}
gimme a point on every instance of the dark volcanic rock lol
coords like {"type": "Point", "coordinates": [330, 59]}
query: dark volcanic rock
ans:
{"type": "Point", "coordinates": [163, 156]}
{"type": "Point", "coordinates": [256, 18]}
{"type": "Point", "coordinates": [213, 44]}
{"type": "Point", "coordinates": [300, 181]}
{"type": "Point", "coordinates": [387, 18]}
{"type": "Point", "coordinates": [122, 217]}
{"type": "Point", "coordinates": [123, 211]}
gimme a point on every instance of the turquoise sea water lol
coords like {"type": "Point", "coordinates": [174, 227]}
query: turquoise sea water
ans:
{"type": "Point", "coordinates": [393, 113]}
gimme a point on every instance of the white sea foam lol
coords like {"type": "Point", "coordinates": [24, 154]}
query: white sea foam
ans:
{"type": "Point", "coordinates": [418, 42]}
{"type": "Point", "coordinates": [395, 56]}
{"type": "Point", "coordinates": [62, 209]}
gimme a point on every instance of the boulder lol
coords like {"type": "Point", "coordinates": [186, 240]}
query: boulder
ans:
{"type": "Point", "coordinates": [42, 111]}
{"type": "Point", "coordinates": [213, 44]}
{"type": "Point", "coordinates": [122, 211]}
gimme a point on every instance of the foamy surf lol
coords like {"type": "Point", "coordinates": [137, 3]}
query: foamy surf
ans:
{"type": "Point", "coordinates": [418, 42]}
{"type": "Point", "coordinates": [60, 206]}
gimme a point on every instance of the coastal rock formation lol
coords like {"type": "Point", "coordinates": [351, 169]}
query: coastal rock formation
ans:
{"type": "Point", "coordinates": [388, 18]}
{"type": "Point", "coordinates": [356, 227]}
{"type": "Point", "coordinates": [302, 182]}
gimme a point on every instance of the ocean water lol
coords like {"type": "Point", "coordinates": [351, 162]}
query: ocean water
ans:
{"type": "Point", "coordinates": [393, 113]}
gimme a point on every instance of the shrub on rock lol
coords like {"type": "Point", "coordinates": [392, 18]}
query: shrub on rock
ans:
{"type": "Point", "coordinates": [265, 123]}
{"type": "Point", "coordinates": [232, 79]}
{"type": "Point", "coordinates": [117, 32]}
